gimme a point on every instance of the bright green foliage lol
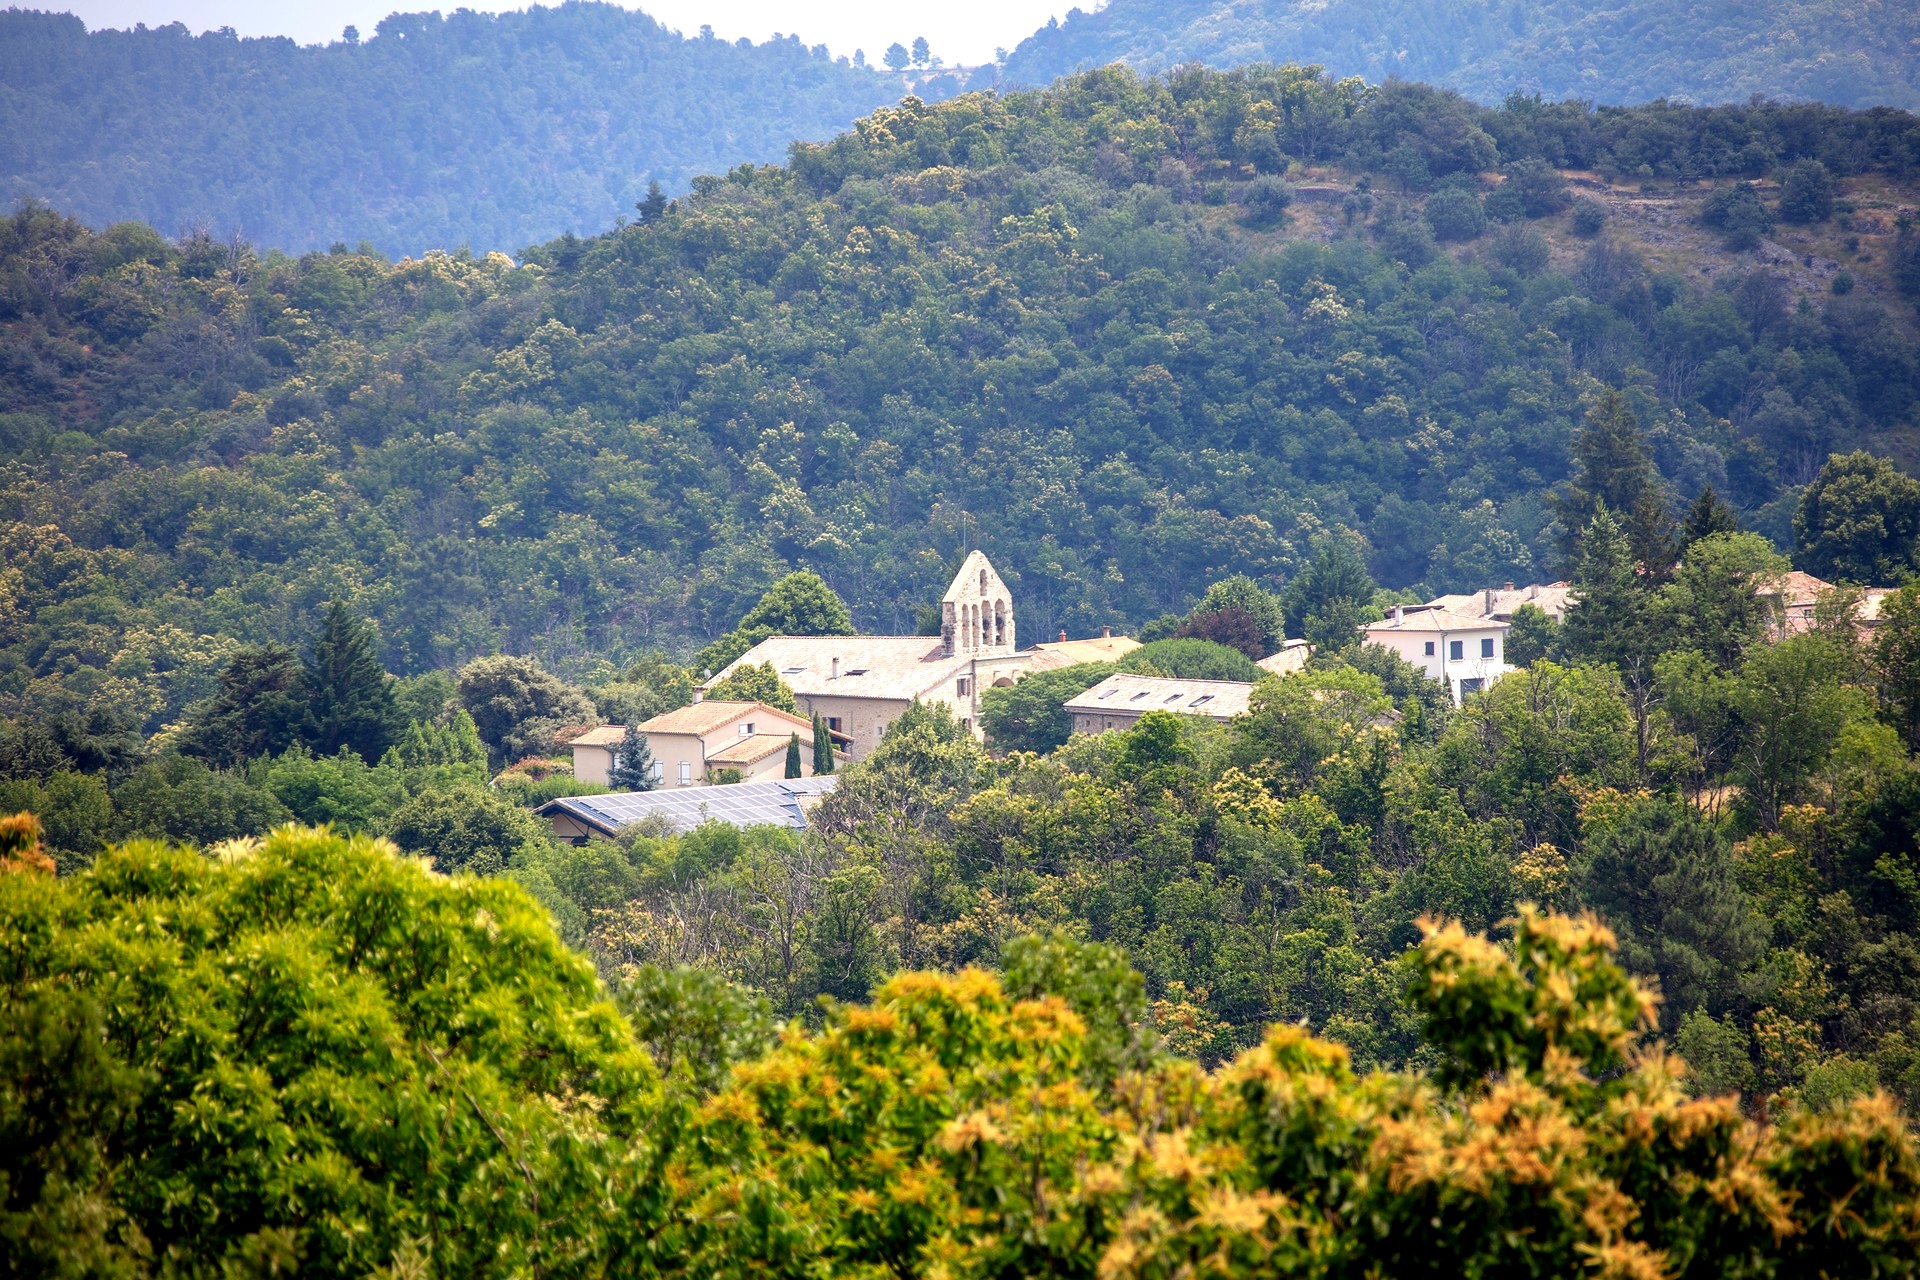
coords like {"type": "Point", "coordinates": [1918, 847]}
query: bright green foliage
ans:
{"type": "Point", "coordinates": [1190, 659]}
{"type": "Point", "coordinates": [444, 753]}
{"type": "Point", "coordinates": [695, 1024]}
{"type": "Point", "coordinates": [1724, 596]}
{"type": "Point", "coordinates": [633, 763]}
{"type": "Point", "coordinates": [1029, 715]}
{"type": "Point", "coordinates": [178, 798]}
{"type": "Point", "coordinates": [349, 698]}
{"type": "Point", "coordinates": [465, 829]}
{"type": "Point", "coordinates": [312, 1056]}
{"type": "Point", "coordinates": [341, 789]}
{"type": "Point", "coordinates": [1859, 521]}
{"type": "Point", "coordinates": [946, 1130]}
{"type": "Point", "coordinates": [753, 682]}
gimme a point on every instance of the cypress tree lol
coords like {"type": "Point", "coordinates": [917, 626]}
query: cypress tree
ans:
{"type": "Point", "coordinates": [793, 756]}
{"type": "Point", "coordinates": [633, 766]}
{"type": "Point", "coordinates": [822, 747]}
{"type": "Point", "coordinates": [350, 700]}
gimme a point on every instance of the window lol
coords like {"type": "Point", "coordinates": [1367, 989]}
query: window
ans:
{"type": "Point", "coordinates": [656, 771]}
{"type": "Point", "coordinates": [1108, 693]}
{"type": "Point", "coordinates": [791, 671]}
{"type": "Point", "coordinates": [746, 729]}
{"type": "Point", "coordinates": [963, 686]}
{"type": "Point", "coordinates": [1203, 700]}
{"type": "Point", "coordinates": [686, 773]}
{"type": "Point", "coordinates": [1486, 647]}
{"type": "Point", "coordinates": [1429, 648]}
{"type": "Point", "coordinates": [1454, 649]}
{"type": "Point", "coordinates": [1175, 697]}
{"type": "Point", "coordinates": [1136, 697]}
{"type": "Point", "coordinates": [833, 724]}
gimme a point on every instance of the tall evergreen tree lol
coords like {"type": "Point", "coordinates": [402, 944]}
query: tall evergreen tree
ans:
{"type": "Point", "coordinates": [1707, 516]}
{"type": "Point", "coordinates": [822, 747]}
{"type": "Point", "coordinates": [350, 700]}
{"type": "Point", "coordinates": [1613, 467]}
{"type": "Point", "coordinates": [1612, 617]}
{"type": "Point", "coordinates": [633, 764]}
{"type": "Point", "coordinates": [258, 710]}
{"type": "Point", "coordinates": [793, 756]}
{"type": "Point", "coordinates": [1333, 596]}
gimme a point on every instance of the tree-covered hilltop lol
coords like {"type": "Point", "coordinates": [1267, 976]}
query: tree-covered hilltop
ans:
{"type": "Point", "coordinates": [1094, 328]}
{"type": "Point", "coordinates": [1636, 51]}
{"type": "Point", "coordinates": [488, 130]}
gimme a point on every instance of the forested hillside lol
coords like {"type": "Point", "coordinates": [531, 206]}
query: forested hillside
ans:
{"type": "Point", "coordinates": [487, 130]}
{"type": "Point", "coordinates": [1632, 51]}
{"type": "Point", "coordinates": [1092, 328]}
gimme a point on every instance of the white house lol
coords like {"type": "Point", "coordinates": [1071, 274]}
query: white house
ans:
{"type": "Point", "coordinates": [1468, 653]}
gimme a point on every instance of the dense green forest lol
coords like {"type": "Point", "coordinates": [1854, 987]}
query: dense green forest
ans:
{"type": "Point", "coordinates": [1095, 328]}
{"type": "Point", "coordinates": [1850, 55]}
{"type": "Point", "coordinates": [429, 133]}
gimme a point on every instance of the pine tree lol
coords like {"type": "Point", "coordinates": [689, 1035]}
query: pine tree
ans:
{"type": "Point", "coordinates": [633, 765]}
{"type": "Point", "coordinates": [654, 207]}
{"type": "Point", "coordinates": [822, 747]}
{"type": "Point", "coordinates": [1612, 467]}
{"type": "Point", "coordinates": [350, 700]}
{"type": "Point", "coordinates": [1612, 618]}
{"type": "Point", "coordinates": [1707, 516]}
{"type": "Point", "coordinates": [793, 756]}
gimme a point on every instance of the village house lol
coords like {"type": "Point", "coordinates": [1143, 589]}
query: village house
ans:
{"type": "Point", "coordinates": [1119, 701]}
{"type": "Point", "coordinates": [861, 684]}
{"type": "Point", "coordinates": [1465, 652]}
{"type": "Point", "coordinates": [689, 745]}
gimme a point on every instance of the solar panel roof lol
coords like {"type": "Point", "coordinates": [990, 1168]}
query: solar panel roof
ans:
{"type": "Point", "coordinates": [744, 804]}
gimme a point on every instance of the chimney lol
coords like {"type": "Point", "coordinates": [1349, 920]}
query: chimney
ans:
{"type": "Point", "coordinates": [1489, 602]}
{"type": "Point", "coordinates": [836, 670]}
{"type": "Point", "coordinates": [1509, 586]}
{"type": "Point", "coordinates": [1533, 591]}
{"type": "Point", "coordinates": [1106, 633]}
{"type": "Point", "coordinates": [1399, 613]}
{"type": "Point", "coordinates": [1063, 635]}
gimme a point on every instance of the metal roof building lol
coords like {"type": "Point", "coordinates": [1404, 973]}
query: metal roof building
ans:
{"type": "Point", "coordinates": [744, 804]}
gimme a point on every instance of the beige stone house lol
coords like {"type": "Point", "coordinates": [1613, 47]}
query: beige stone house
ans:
{"type": "Point", "coordinates": [1498, 603]}
{"type": "Point", "coordinates": [861, 684]}
{"type": "Point", "coordinates": [692, 743]}
{"type": "Point", "coordinates": [1119, 701]}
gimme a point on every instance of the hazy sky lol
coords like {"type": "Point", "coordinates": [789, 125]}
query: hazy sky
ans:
{"type": "Point", "coordinates": [966, 33]}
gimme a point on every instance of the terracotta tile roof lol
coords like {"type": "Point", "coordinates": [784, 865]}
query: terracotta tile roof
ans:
{"type": "Point", "coordinates": [1552, 598]}
{"type": "Point", "coordinates": [1428, 618]}
{"type": "Point", "coordinates": [606, 735]}
{"type": "Point", "coordinates": [1137, 695]}
{"type": "Point", "coordinates": [1292, 657]}
{"type": "Point", "coordinates": [899, 668]}
{"type": "Point", "coordinates": [1071, 653]}
{"type": "Point", "coordinates": [1796, 589]}
{"type": "Point", "coordinates": [750, 750]}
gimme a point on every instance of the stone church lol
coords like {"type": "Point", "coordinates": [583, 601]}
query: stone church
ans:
{"type": "Point", "coordinates": [861, 684]}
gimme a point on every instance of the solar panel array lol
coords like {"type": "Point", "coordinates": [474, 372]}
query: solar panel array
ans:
{"type": "Point", "coordinates": [744, 804]}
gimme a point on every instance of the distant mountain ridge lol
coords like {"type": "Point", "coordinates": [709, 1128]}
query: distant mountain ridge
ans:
{"type": "Point", "coordinates": [1606, 51]}
{"type": "Point", "coordinates": [496, 131]}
